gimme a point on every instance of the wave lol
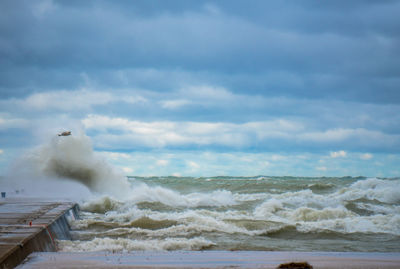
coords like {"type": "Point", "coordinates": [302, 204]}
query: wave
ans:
{"type": "Point", "coordinates": [253, 217]}
{"type": "Point", "coordinates": [124, 245]}
{"type": "Point", "coordinates": [101, 205]}
{"type": "Point", "coordinates": [386, 191]}
{"type": "Point", "coordinates": [71, 158]}
{"type": "Point", "coordinates": [145, 193]}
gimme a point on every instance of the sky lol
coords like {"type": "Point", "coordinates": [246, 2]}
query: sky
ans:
{"type": "Point", "coordinates": [206, 88]}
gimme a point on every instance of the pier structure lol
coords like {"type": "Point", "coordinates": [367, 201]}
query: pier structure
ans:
{"type": "Point", "coordinates": [32, 225]}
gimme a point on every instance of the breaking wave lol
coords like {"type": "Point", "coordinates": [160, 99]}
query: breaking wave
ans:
{"type": "Point", "coordinates": [123, 244]}
{"type": "Point", "coordinates": [240, 213]}
{"type": "Point", "coordinates": [72, 158]}
{"type": "Point", "coordinates": [159, 217]}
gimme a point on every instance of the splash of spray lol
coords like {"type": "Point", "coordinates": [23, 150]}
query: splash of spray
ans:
{"type": "Point", "coordinates": [73, 158]}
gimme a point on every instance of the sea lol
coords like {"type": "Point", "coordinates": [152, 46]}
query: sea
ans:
{"type": "Point", "coordinates": [243, 213]}
{"type": "Point", "coordinates": [266, 213]}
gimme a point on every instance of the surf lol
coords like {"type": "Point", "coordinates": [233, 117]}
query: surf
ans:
{"type": "Point", "coordinates": [66, 159]}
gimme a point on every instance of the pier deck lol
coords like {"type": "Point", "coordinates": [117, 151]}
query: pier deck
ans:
{"type": "Point", "coordinates": [29, 225]}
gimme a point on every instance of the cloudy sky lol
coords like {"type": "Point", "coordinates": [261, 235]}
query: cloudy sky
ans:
{"type": "Point", "coordinates": [203, 88]}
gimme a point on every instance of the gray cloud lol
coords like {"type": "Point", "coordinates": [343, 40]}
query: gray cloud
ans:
{"type": "Point", "coordinates": [304, 49]}
{"type": "Point", "coordinates": [189, 75]}
{"type": "Point", "coordinates": [221, 120]}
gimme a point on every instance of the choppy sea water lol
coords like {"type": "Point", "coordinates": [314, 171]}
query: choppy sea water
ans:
{"type": "Point", "coordinates": [216, 213]}
{"type": "Point", "coordinates": [243, 213]}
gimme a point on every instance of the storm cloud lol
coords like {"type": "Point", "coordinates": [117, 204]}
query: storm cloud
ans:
{"type": "Point", "coordinates": [218, 76]}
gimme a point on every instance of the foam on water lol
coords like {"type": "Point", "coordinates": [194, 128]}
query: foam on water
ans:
{"type": "Point", "coordinates": [123, 244]}
{"type": "Point", "coordinates": [145, 193]}
{"type": "Point", "coordinates": [247, 213]}
{"type": "Point", "coordinates": [386, 191]}
{"type": "Point", "coordinates": [225, 218]}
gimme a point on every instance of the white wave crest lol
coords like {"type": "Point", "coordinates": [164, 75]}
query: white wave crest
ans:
{"type": "Point", "coordinates": [388, 224]}
{"type": "Point", "coordinates": [310, 214]}
{"type": "Point", "coordinates": [387, 191]}
{"type": "Point", "coordinates": [268, 207]}
{"type": "Point", "coordinates": [145, 193]}
{"type": "Point", "coordinates": [123, 244]}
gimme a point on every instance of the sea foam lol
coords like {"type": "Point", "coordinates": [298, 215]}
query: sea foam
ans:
{"type": "Point", "coordinates": [248, 213]}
